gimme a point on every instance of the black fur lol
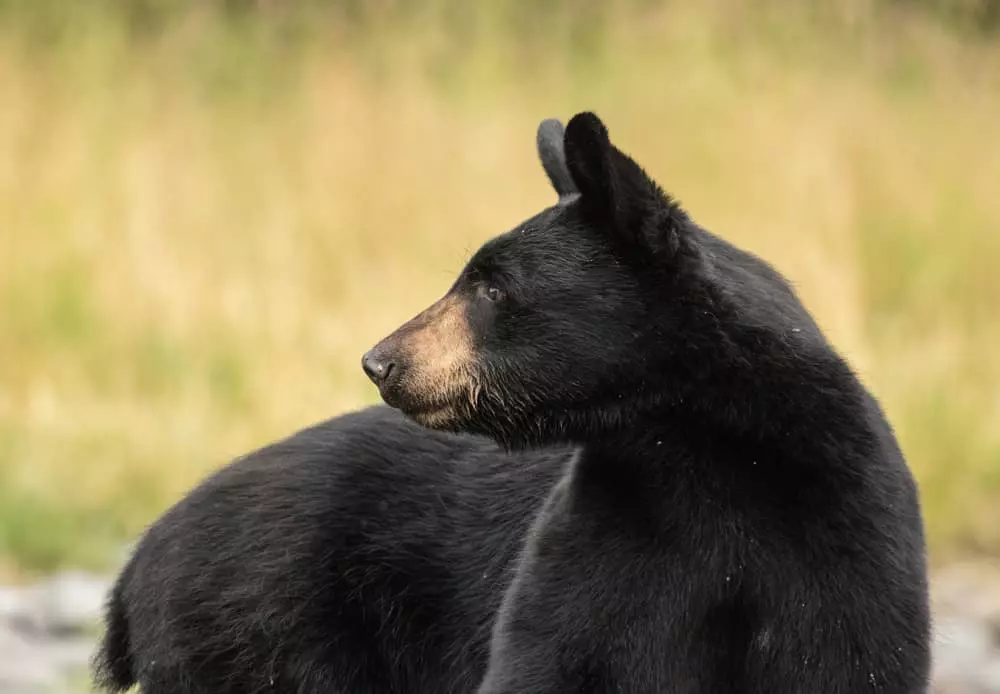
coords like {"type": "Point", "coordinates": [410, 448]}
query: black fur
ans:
{"type": "Point", "coordinates": [740, 518]}
{"type": "Point", "coordinates": [363, 556]}
{"type": "Point", "coordinates": [737, 516]}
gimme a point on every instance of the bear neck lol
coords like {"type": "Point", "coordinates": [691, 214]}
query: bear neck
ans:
{"type": "Point", "coordinates": [746, 384]}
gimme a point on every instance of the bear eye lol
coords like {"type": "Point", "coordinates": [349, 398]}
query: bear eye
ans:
{"type": "Point", "coordinates": [490, 292]}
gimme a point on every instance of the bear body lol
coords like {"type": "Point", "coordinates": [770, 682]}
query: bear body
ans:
{"type": "Point", "coordinates": [742, 576]}
{"type": "Point", "coordinates": [363, 555]}
{"type": "Point", "coordinates": [688, 490]}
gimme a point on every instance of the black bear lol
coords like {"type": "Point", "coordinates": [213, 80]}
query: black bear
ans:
{"type": "Point", "coordinates": [737, 518]}
{"type": "Point", "coordinates": [698, 494]}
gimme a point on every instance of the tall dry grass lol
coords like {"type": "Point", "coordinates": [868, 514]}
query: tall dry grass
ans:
{"type": "Point", "coordinates": [202, 229]}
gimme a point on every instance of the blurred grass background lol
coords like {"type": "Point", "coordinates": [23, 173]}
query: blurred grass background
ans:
{"type": "Point", "coordinates": [209, 210]}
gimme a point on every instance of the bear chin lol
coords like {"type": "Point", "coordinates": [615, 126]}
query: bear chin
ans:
{"type": "Point", "coordinates": [441, 417]}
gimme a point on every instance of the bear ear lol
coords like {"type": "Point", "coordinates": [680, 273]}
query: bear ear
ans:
{"type": "Point", "coordinates": [553, 155]}
{"type": "Point", "coordinates": [614, 190]}
{"type": "Point", "coordinates": [588, 159]}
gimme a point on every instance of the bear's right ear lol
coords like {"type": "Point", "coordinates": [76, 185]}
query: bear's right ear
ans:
{"type": "Point", "coordinates": [614, 190]}
{"type": "Point", "coordinates": [553, 155]}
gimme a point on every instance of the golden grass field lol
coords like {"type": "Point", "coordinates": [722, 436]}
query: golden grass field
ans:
{"type": "Point", "coordinates": [202, 229]}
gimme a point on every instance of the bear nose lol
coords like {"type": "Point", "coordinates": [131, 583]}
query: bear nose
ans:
{"type": "Point", "coordinates": [377, 367]}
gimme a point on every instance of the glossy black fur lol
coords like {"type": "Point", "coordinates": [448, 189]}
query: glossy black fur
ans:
{"type": "Point", "coordinates": [365, 555]}
{"type": "Point", "coordinates": [740, 518]}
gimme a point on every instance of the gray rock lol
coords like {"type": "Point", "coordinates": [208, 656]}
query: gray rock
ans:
{"type": "Point", "coordinates": [960, 643]}
{"type": "Point", "coordinates": [67, 604]}
{"type": "Point", "coordinates": [47, 632]}
{"type": "Point", "coordinates": [71, 603]}
{"type": "Point", "coordinates": [967, 620]}
{"type": "Point", "coordinates": [23, 666]}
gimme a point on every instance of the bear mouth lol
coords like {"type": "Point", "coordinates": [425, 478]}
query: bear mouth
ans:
{"type": "Point", "coordinates": [431, 412]}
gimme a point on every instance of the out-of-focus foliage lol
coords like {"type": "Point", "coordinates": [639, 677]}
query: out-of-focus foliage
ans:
{"type": "Point", "coordinates": [209, 210]}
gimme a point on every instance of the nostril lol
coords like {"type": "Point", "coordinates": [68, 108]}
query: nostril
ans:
{"type": "Point", "coordinates": [378, 370]}
{"type": "Point", "coordinates": [371, 367]}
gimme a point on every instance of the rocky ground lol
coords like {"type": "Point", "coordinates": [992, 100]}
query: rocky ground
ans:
{"type": "Point", "coordinates": [967, 625]}
{"type": "Point", "coordinates": [48, 630]}
{"type": "Point", "coordinates": [47, 633]}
